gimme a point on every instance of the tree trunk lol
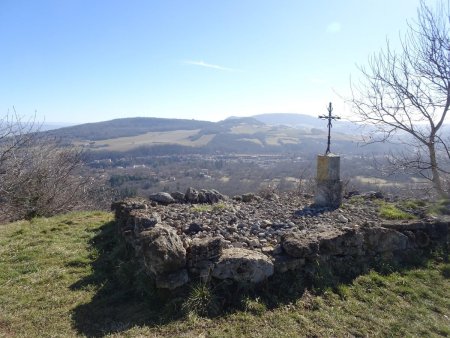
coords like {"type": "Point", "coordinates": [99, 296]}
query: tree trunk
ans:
{"type": "Point", "coordinates": [436, 177]}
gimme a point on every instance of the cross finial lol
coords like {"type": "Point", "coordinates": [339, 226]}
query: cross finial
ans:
{"type": "Point", "coordinates": [329, 118]}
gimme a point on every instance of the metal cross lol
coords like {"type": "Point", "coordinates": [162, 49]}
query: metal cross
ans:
{"type": "Point", "coordinates": [329, 118]}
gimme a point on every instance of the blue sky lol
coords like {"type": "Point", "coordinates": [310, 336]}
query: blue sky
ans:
{"type": "Point", "coordinates": [93, 60]}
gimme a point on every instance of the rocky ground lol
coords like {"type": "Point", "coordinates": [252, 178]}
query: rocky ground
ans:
{"type": "Point", "coordinates": [201, 235]}
{"type": "Point", "coordinates": [258, 222]}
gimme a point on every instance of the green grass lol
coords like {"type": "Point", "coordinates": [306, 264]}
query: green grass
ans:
{"type": "Point", "coordinates": [412, 204]}
{"type": "Point", "coordinates": [391, 211]}
{"type": "Point", "coordinates": [356, 200]}
{"type": "Point", "coordinates": [69, 276]}
{"type": "Point", "coordinates": [440, 207]}
{"type": "Point", "coordinates": [405, 209]}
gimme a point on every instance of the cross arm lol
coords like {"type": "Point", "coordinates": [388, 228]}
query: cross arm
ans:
{"type": "Point", "coordinates": [329, 117]}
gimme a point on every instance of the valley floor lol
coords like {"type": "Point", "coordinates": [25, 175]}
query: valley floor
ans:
{"type": "Point", "coordinates": [63, 277]}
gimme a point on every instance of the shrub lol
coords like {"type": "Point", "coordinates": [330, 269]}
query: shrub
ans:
{"type": "Point", "coordinates": [201, 301]}
{"type": "Point", "coordinates": [40, 176]}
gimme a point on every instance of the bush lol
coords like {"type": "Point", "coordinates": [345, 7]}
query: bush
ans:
{"type": "Point", "coordinates": [41, 177]}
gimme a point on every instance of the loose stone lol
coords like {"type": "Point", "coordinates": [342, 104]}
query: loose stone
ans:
{"type": "Point", "coordinates": [289, 233]}
{"type": "Point", "coordinates": [342, 218]}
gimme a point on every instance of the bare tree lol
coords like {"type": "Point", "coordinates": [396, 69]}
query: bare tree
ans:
{"type": "Point", "coordinates": [14, 134]}
{"type": "Point", "coordinates": [39, 176]}
{"type": "Point", "coordinates": [405, 95]}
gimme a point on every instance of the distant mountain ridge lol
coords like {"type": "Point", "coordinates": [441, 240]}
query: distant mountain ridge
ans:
{"type": "Point", "coordinates": [288, 119]}
{"type": "Point", "coordinates": [127, 127]}
{"type": "Point", "coordinates": [305, 121]}
{"type": "Point", "coordinates": [281, 133]}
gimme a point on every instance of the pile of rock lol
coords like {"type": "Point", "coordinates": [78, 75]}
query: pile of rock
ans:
{"type": "Point", "coordinates": [250, 241]}
{"type": "Point", "coordinates": [192, 196]}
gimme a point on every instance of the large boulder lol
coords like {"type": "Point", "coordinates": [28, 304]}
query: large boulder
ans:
{"type": "Point", "coordinates": [142, 220]}
{"type": "Point", "coordinates": [178, 196]}
{"type": "Point", "coordinates": [138, 220]}
{"type": "Point", "coordinates": [191, 195]}
{"type": "Point", "coordinates": [437, 230]}
{"type": "Point", "coordinates": [203, 196]}
{"type": "Point", "coordinates": [344, 242]}
{"type": "Point", "coordinates": [162, 198]}
{"type": "Point", "coordinates": [172, 280]}
{"type": "Point", "coordinates": [212, 196]}
{"type": "Point", "coordinates": [242, 265]}
{"type": "Point", "coordinates": [298, 246]}
{"type": "Point", "coordinates": [202, 249]}
{"type": "Point", "coordinates": [162, 250]}
{"type": "Point", "coordinates": [284, 263]}
{"type": "Point", "coordinates": [201, 255]}
{"type": "Point", "coordinates": [378, 240]}
{"type": "Point", "coordinates": [341, 242]}
{"type": "Point", "coordinates": [122, 210]}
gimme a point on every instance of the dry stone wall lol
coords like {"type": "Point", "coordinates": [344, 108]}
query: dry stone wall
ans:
{"type": "Point", "coordinates": [175, 254]}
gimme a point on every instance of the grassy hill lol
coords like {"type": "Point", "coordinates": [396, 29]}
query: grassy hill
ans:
{"type": "Point", "coordinates": [230, 135]}
{"type": "Point", "coordinates": [125, 127]}
{"type": "Point", "coordinates": [69, 276]}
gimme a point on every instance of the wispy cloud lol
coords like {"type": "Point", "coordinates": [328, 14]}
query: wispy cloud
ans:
{"type": "Point", "coordinates": [209, 65]}
{"type": "Point", "coordinates": [334, 27]}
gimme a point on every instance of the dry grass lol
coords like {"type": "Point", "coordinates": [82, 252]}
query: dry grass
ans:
{"type": "Point", "coordinates": [248, 129]}
{"type": "Point", "coordinates": [253, 140]}
{"type": "Point", "coordinates": [179, 137]}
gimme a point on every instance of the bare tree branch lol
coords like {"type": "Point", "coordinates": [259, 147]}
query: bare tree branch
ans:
{"type": "Point", "coordinates": [38, 175]}
{"type": "Point", "coordinates": [405, 95]}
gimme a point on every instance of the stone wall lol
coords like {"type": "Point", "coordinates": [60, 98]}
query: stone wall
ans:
{"type": "Point", "coordinates": [172, 260]}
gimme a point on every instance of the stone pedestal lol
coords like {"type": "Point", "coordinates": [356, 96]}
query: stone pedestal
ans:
{"type": "Point", "coordinates": [329, 185]}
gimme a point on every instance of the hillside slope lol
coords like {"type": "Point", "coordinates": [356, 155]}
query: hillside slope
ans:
{"type": "Point", "coordinates": [237, 135]}
{"type": "Point", "coordinates": [126, 127]}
